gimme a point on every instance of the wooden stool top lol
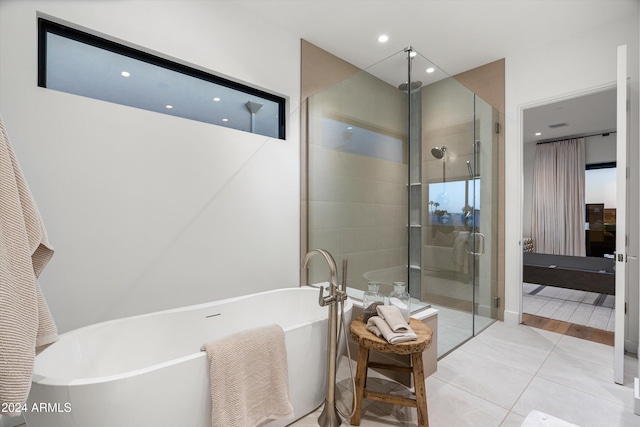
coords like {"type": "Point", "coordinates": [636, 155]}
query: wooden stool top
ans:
{"type": "Point", "coordinates": [364, 337]}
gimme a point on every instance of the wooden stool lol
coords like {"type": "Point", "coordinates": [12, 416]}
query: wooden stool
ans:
{"type": "Point", "coordinates": [368, 341]}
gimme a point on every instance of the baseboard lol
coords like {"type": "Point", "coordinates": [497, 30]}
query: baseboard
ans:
{"type": "Point", "coordinates": [636, 396]}
{"type": "Point", "coordinates": [511, 318]}
{"type": "Point", "coordinates": [485, 311]}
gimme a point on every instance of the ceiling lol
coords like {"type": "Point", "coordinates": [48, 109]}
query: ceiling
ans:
{"type": "Point", "coordinates": [456, 36]}
{"type": "Point", "coordinates": [585, 115]}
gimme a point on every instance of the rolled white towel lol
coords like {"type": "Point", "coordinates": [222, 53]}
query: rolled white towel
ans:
{"type": "Point", "coordinates": [380, 328]}
{"type": "Point", "coordinates": [394, 318]}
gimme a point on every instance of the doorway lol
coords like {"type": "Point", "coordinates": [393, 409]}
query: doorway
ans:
{"type": "Point", "coordinates": [573, 294]}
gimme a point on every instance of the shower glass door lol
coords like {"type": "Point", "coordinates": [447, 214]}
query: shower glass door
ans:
{"type": "Point", "coordinates": [449, 198]}
{"type": "Point", "coordinates": [459, 198]}
{"type": "Point", "coordinates": [484, 232]}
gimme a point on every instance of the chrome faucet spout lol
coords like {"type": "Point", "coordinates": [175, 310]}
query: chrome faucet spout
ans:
{"type": "Point", "coordinates": [333, 281]}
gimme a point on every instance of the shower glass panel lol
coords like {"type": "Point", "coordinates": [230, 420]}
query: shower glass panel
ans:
{"type": "Point", "coordinates": [449, 199]}
{"type": "Point", "coordinates": [485, 223]}
{"type": "Point", "coordinates": [357, 182]}
{"type": "Point", "coordinates": [399, 185]}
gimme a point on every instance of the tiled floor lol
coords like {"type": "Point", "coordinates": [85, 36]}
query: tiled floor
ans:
{"type": "Point", "coordinates": [498, 377]}
{"type": "Point", "coordinates": [456, 326]}
{"type": "Point", "coordinates": [577, 307]}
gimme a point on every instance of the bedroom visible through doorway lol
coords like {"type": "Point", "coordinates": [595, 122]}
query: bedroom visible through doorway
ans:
{"type": "Point", "coordinates": [561, 291]}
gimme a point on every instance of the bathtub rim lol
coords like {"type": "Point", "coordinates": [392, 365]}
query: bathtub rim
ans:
{"type": "Point", "coordinates": [54, 381]}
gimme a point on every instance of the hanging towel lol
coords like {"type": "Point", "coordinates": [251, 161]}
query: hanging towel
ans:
{"type": "Point", "coordinates": [460, 259]}
{"type": "Point", "coordinates": [26, 325]}
{"type": "Point", "coordinates": [249, 378]}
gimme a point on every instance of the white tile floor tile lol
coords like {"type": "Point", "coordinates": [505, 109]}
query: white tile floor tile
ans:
{"type": "Point", "coordinates": [550, 308]}
{"type": "Point", "coordinates": [609, 301]}
{"type": "Point", "coordinates": [526, 357]}
{"type": "Point", "coordinates": [590, 298]}
{"type": "Point", "coordinates": [573, 406]}
{"type": "Point", "coordinates": [513, 420]}
{"type": "Point", "coordinates": [566, 310]}
{"type": "Point", "coordinates": [533, 303]}
{"type": "Point", "coordinates": [590, 377]}
{"type": "Point", "coordinates": [549, 291]}
{"type": "Point", "coordinates": [496, 382]}
{"type": "Point", "coordinates": [599, 318]}
{"type": "Point", "coordinates": [586, 350]}
{"type": "Point", "coordinates": [582, 314]}
{"type": "Point", "coordinates": [569, 305]}
{"type": "Point", "coordinates": [498, 377]}
{"type": "Point", "coordinates": [529, 287]}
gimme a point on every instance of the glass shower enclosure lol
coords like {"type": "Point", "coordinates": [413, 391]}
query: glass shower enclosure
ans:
{"type": "Point", "coordinates": [402, 181]}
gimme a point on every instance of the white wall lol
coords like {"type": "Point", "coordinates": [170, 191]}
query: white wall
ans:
{"type": "Point", "coordinates": [547, 73]}
{"type": "Point", "coordinates": [148, 211]}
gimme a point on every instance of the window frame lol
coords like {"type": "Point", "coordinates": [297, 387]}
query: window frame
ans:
{"type": "Point", "coordinates": [46, 26]}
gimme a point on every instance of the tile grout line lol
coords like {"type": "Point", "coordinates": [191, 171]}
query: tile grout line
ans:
{"type": "Point", "coordinates": [492, 361]}
{"type": "Point", "coordinates": [535, 375]}
{"type": "Point", "coordinates": [568, 385]}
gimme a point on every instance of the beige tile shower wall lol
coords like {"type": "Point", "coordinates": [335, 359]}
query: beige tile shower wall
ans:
{"type": "Point", "coordinates": [357, 204]}
{"type": "Point", "coordinates": [358, 211]}
{"type": "Point", "coordinates": [447, 114]}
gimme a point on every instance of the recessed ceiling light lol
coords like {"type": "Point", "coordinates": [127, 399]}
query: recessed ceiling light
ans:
{"type": "Point", "coordinates": [430, 70]}
{"type": "Point", "coordinates": [349, 127]}
{"type": "Point", "coordinates": [383, 38]}
{"type": "Point", "coordinates": [168, 107]}
{"type": "Point", "coordinates": [225, 120]}
{"type": "Point", "coordinates": [216, 99]}
{"type": "Point", "coordinates": [538, 133]}
{"type": "Point", "coordinates": [125, 74]}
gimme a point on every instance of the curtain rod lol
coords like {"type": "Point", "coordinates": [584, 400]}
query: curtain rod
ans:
{"type": "Point", "coordinates": [574, 137]}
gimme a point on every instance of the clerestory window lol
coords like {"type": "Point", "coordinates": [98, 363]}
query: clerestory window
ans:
{"type": "Point", "coordinates": [76, 62]}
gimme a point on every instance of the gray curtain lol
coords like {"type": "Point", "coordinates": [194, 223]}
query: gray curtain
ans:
{"type": "Point", "coordinates": [558, 198]}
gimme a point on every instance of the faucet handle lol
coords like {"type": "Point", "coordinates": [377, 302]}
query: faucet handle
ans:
{"type": "Point", "coordinates": [329, 299]}
{"type": "Point", "coordinates": [345, 263]}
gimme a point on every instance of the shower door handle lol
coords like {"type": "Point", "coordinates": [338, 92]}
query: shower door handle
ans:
{"type": "Point", "coordinates": [472, 239]}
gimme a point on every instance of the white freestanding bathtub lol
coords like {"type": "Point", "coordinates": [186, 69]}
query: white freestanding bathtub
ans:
{"type": "Point", "coordinates": [148, 370]}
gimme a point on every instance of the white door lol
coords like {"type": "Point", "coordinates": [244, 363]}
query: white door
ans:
{"type": "Point", "coordinates": [621, 215]}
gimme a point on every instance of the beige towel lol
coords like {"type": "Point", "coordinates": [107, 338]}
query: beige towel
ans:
{"type": "Point", "coordinates": [460, 259]}
{"type": "Point", "coordinates": [380, 328]}
{"type": "Point", "coordinates": [394, 318]}
{"type": "Point", "coordinates": [26, 325]}
{"type": "Point", "coordinates": [249, 378]}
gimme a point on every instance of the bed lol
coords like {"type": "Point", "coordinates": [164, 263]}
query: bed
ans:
{"type": "Point", "coordinates": [589, 274]}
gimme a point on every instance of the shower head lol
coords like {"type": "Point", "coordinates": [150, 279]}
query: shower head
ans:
{"type": "Point", "coordinates": [414, 85]}
{"type": "Point", "coordinates": [438, 152]}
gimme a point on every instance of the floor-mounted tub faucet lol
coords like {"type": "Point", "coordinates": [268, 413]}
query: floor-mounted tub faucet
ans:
{"type": "Point", "coordinates": [329, 416]}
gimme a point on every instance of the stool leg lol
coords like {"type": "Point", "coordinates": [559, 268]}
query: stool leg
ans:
{"type": "Point", "coordinates": [421, 392]}
{"type": "Point", "coordinates": [361, 378]}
